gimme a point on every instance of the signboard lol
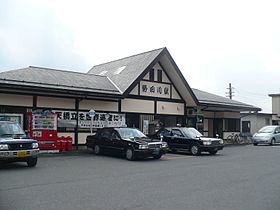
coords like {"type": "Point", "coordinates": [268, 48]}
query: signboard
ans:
{"type": "Point", "coordinates": [68, 119]}
{"type": "Point", "coordinates": [91, 113]}
{"type": "Point", "coordinates": [155, 89]}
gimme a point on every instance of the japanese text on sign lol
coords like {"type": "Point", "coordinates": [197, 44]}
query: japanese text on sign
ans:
{"type": "Point", "coordinates": [154, 89]}
{"type": "Point", "coordinates": [100, 120]}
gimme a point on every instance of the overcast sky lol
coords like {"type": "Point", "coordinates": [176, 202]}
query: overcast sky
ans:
{"type": "Point", "coordinates": [214, 43]}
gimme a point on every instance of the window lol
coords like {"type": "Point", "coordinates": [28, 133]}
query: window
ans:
{"type": "Point", "coordinates": [159, 75]}
{"type": "Point", "coordinates": [106, 134]}
{"type": "Point", "coordinates": [232, 125]}
{"type": "Point", "coordinates": [115, 136]}
{"type": "Point", "coordinates": [177, 132]}
{"type": "Point", "coordinates": [165, 132]}
{"type": "Point", "coordinates": [152, 75]}
{"type": "Point", "coordinates": [246, 125]}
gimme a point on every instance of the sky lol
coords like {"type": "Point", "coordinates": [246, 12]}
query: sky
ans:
{"type": "Point", "coordinates": [214, 43]}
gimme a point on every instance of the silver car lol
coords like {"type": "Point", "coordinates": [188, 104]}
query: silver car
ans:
{"type": "Point", "coordinates": [267, 135]}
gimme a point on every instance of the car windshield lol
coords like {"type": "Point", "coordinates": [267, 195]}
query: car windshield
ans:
{"type": "Point", "coordinates": [267, 129]}
{"type": "Point", "coordinates": [191, 132]}
{"type": "Point", "coordinates": [127, 133]}
{"type": "Point", "coordinates": [10, 130]}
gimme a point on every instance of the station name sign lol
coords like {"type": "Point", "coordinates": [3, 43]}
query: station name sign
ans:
{"type": "Point", "coordinates": [155, 89]}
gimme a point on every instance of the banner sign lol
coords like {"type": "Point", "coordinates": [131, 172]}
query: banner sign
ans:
{"type": "Point", "coordinates": [100, 120]}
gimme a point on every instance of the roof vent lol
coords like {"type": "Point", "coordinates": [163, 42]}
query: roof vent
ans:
{"type": "Point", "coordinates": [102, 73]}
{"type": "Point", "coordinates": [119, 70]}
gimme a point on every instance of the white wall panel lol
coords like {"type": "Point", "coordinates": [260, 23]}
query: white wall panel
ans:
{"type": "Point", "coordinates": [16, 100]}
{"type": "Point", "coordinates": [170, 108]}
{"type": "Point", "coordinates": [136, 105]}
{"type": "Point", "coordinates": [175, 94]}
{"type": "Point", "coordinates": [99, 105]}
{"type": "Point", "coordinates": [54, 102]}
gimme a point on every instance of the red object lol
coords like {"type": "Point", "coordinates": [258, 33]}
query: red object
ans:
{"type": "Point", "coordinates": [42, 126]}
{"type": "Point", "coordinates": [63, 143]}
{"type": "Point", "coordinates": [69, 143]}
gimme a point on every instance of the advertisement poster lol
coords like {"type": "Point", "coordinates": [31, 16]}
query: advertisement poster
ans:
{"type": "Point", "coordinates": [68, 119]}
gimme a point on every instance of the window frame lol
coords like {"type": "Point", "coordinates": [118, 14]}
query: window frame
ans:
{"type": "Point", "coordinates": [159, 75]}
{"type": "Point", "coordinates": [152, 75]}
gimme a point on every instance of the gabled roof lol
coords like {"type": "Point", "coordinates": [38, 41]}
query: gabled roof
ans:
{"type": "Point", "coordinates": [124, 71]}
{"type": "Point", "coordinates": [212, 101]}
{"type": "Point", "coordinates": [58, 79]}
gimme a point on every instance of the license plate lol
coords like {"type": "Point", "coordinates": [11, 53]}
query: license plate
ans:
{"type": "Point", "coordinates": [21, 154]}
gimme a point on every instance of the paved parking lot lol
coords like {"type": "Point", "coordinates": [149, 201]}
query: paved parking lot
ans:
{"type": "Point", "coordinates": [239, 177]}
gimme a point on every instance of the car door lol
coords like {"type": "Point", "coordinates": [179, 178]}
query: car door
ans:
{"type": "Point", "coordinates": [117, 142]}
{"type": "Point", "coordinates": [179, 139]}
{"type": "Point", "coordinates": [105, 137]}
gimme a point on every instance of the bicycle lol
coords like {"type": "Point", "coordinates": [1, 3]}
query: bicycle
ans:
{"type": "Point", "coordinates": [235, 139]}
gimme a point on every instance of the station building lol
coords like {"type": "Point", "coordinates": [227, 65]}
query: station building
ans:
{"type": "Point", "coordinates": [145, 91]}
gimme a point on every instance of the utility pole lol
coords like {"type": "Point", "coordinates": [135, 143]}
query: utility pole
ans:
{"type": "Point", "coordinates": [230, 93]}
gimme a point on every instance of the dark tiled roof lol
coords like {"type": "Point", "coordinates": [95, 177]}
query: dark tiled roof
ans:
{"type": "Point", "coordinates": [58, 79]}
{"type": "Point", "coordinates": [215, 100]}
{"type": "Point", "coordinates": [274, 95]}
{"type": "Point", "coordinates": [130, 68]}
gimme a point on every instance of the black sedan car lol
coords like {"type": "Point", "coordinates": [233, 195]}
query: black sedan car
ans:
{"type": "Point", "coordinates": [129, 142]}
{"type": "Point", "coordinates": [189, 139]}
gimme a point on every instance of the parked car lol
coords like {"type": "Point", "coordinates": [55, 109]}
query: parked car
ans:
{"type": "Point", "coordinates": [129, 142]}
{"type": "Point", "coordinates": [189, 139]}
{"type": "Point", "coordinates": [267, 135]}
{"type": "Point", "coordinates": [15, 146]}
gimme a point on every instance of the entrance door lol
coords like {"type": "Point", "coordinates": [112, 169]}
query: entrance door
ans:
{"type": "Point", "coordinates": [218, 127]}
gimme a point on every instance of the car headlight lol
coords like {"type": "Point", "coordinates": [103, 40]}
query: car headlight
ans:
{"type": "Point", "coordinates": [164, 144]}
{"type": "Point", "coordinates": [207, 142]}
{"type": "Point", "coordinates": [221, 141]}
{"type": "Point", "coordinates": [35, 145]}
{"type": "Point", "coordinates": [4, 146]}
{"type": "Point", "coordinates": [143, 146]}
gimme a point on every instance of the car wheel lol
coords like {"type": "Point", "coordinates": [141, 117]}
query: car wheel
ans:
{"type": "Point", "coordinates": [32, 162]}
{"type": "Point", "coordinates": [214, 152]}
{"type": "Point", "coordinates": [129, 154]}
{"type": "Point", "coordinates": [272, 142]}
{"type": "Point", "coordinates": [195, 149]}
{"type": "Point", "coordinates": [157, 156]}
{"type": "Point", "coordinates": [97, 150]}
{"type": "Point", "coordinates": [255, 144]}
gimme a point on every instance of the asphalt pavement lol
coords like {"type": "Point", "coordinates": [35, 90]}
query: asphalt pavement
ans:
{"type": "Point", "coordinates": [238, 177]}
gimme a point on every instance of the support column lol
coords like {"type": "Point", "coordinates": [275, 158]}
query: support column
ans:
{"type": "Point", "coordinates": [34, 102]}
{"type": "Point", "coordinates": [76, 138]}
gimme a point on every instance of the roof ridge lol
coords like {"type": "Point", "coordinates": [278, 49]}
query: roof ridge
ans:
{"type": "Point", "coordinates": [52, 69]}
{"type": "Point", "coordinates": [55, 84]}
{"type": "Point", "coordinates": [128, 57]}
